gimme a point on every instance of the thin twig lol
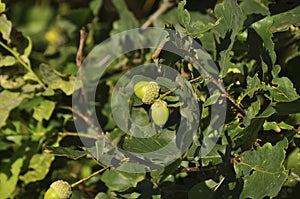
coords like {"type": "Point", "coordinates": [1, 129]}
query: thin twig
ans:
{"type": "Point", "coordinates": [173, 89]}
{"type": "Point", "coordinates": [88, 177]}
{"type": "Point", "coordinates": [86, 119]}
{"type": "Point", "coordinates": [75, 134]}
{"type": "Point", "coordinates": [200, 78]}
{"type": "Point", "coordinates": [26, 65]}
{"type": "Point", "coordinates": [217, 83]}
{"type": "Point", "coordinates": [167, 93]}
{"type": "Point", "coordinates": [79, 57]}
{"type": "Point", "coordinates": [162, 9]}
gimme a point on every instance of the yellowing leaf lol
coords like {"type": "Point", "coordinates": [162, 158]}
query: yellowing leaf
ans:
{"type": "Point", "coordinates": [9, 101]}
{"type": "Point", "coordinates": [8, 181]}
{"type": "Point", "coordinates": [39, 166]}
{"type": "Point", "coordinates": [43, 110]}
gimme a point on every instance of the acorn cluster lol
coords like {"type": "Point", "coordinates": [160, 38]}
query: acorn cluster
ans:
{"type": "Point", "coordinates": [148, 92]}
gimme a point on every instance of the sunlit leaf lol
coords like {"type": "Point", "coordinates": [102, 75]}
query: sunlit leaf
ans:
{"type": "Point", "coordinates": [9, 101]}
{"type": "Point", "coordinates": [7, 61]}
{"type": "Point", "coordinates": [39, 167]}
{"type": "Point", "coordinates": [5, 27]}
{"type": "Point", "coordinates": [43, 110]}
{"type": "Point", "coordinates": [9, 178]}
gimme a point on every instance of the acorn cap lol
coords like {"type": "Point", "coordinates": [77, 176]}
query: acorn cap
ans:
{"type": "Point", "coordinates": [152, 92]}
{"type": "Point", "coordinates": [62, 188]}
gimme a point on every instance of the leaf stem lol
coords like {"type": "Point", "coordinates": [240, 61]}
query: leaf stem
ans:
{"type": "Point", "coordinates": [200, 78]}
{"type": "Point", "coordinates": [75, 134]}
{"type": "Point", "coordinates": [217, 83]}
{"type": "Point", "coordinates": [88, 177]}
{"type": "Point", "coordinates": [162, 9]}
{"type": "Point", "coordinates": [166, 93]}
{"type": "Point", "coordinates": [86, 119]}
{"type": "Point", "coordinates": [26, 65]}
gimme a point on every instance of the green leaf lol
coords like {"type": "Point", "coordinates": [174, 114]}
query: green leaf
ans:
{"type": "Point", "coordinates": [268, 112]}
{"type": "Point", "coordinates": [283, 91]}
{"type": "Point", "coordinates": [7, 61]}
{"type": "Point", "coordinates": [255, 7]}
{"type": "Point", "coordinates": [293, 161]}
{"type": "Point", "coordinates": [9, 179]}
{"type": "Point", "coordinates": [198, 28]}
{"type": "Point", "coordinates": [55, 80]}
{"type": "Point", "coordinates": [232, 16]}
{"type": "Point", "coordinates": [5, 27]}
{"type": "Point", "coordinates": [251, 112]}
{"type": "Point", "coordinates": [101, 195]}
{"type": "Point", "coordinates": [262, 170]}
{"type": "Point", "coordinates": [253, 85]}
{"type": "Point", "coordinates": [144, 145]}
{"type": "Point", "coordinates": [214, 156]}
{"type": "Point", "coordinates": [28, 49]}
{"type": "Point", "coordinates": [127, 19]}
{"type": "Point", "coordinates": [244, 137]}
{"type": "Point", "coordinates": [140, 116]}
{"type": "Point", "coordinates": [95, 6]}
{"type": "Point", "coordinates": [183, 15]}
{"type": "Point", "coordinates": [66, 152]}
{"type": "Point", "coordinates": [9, 101]}
{"type": "Point", "coordinates": [4, 145]}
{"type": "Point", "coordinates": [213, 99]}
{"type": "Point", "coordinates": [43, 110]}
{"type": "Point", "coordinates": [271, 126]}
{"type": "Point", "coordinates": [284, 20]}
{"type": "Point", "coordinates": [277, 126]}
{"type": "Point", "coordinates": [2, 7]}
{"type": "Point", "coordinates": [11, 83]}
{"type": "Point", "coordinates": [38, 168]}
{"type": "Point", "coordinates": [232, 20]}
{"type": "Point", "coordinates": [262, 28]}
{"type": "Point", "coordinates": [121, 181]}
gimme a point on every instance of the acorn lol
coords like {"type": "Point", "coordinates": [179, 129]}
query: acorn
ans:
{"type": "Point", "coordinates": [59, 190]}
{"type": "Point", "coordinates": [140, 89]}
{"type": "Point", "coordinates": [147, 91]}
{"type": "Point", "coordinates": [160, 112]}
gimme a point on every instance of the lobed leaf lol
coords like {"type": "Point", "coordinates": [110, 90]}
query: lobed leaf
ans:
{"type": "Point", "coordinates": [66, 152]}
{"type": "Point", "coordinates": [262, 170]}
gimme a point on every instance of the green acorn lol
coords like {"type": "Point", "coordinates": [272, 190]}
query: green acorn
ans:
{"type": "Point", "coordinates": [147, 91]}
{"type": "Point", "coordinates": [140, 89]}
{"type": "Point", "coordinates": [58, 190]}
{"type": "Point", "coordinates": [160, 112]}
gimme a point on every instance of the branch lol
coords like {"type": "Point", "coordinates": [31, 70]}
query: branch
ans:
{"type": "Point", "coordinates": [162, 9]}
{"type": "Point", "coordinates": [88, 177]}
{"type": "Point", "coordinates": [79, 57]}
{"type": "Point", "coordinates": [217, 83]}
{"type": "Point", "coordinates": [26, 65]}
{"type": "Point", "coordinates": [86, 119]}
{"type": "Point", "coordinates": [75, 134]}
